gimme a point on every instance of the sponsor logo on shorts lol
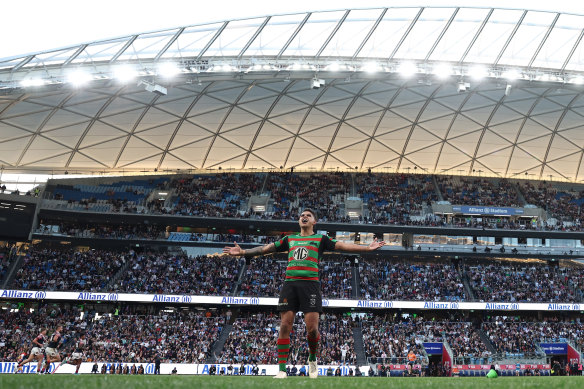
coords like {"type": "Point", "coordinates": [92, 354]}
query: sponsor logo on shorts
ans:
{"type": "Point", "coordinates": [312, 301]}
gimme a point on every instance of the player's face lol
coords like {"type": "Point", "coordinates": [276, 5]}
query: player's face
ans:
{"type": "Point", "coordinates": [306, 219]}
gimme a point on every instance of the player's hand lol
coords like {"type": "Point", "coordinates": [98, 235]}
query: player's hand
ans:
{"type": "Point", "coordinates": [376, 244]}
{"type": "Point", "coordinates": [235, 251]}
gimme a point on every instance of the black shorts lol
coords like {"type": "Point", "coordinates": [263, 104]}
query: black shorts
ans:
{"type": "Point", "coordinates": [304, 296]}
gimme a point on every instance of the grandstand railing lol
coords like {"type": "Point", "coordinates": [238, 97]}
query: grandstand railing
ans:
{"type": "Point", "coordinates": [501, 358]}
{"type": "Point", "coordinates": [420, 360]}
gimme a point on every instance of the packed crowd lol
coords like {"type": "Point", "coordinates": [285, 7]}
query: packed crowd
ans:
{"type": "Point", "coordinates": [66, 269]}
{"type": "Point", "coordinates": [253, 340]}
{"type": "Point", "coordinates": [514, 336]}
{"type": "Point", "coordinates": [221, 195]}
{"type": "Point", "coordinates": [183, 337]}
{"type": "Point", "coordinates": [263, 277]}
{"type": "Point", "coordinates": [321, 192]}
{"type": "Point", "coordinates": [383, 338]}
{"type": "Point", "coordinates": [103, 231]}
{"type": "Point", "coordinates": [8, 254]}
{"type": "Point", "coordinates": [389, 336]}
{"type": "Point", "coordinates": [563, 205]}
{"type": "Point", "coordinates": [180, 274]}
{"type": "Point", "coordinates": [521, 283]}
{"type": "Point", "coordinates": [478, 191]}
{"type": "Point", "coordinates": [393, 199]}
{"type": "Point", "coordinates": [382, 280]}
{"type": "Point", "coordinates": [387, 198]}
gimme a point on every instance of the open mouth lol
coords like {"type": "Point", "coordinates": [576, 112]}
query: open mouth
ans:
{"type": "Point", "coordinates": [305, 220]}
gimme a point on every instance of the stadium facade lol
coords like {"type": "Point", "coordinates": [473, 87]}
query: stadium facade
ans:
{"type": "Point", "coordinates": [492, 92]}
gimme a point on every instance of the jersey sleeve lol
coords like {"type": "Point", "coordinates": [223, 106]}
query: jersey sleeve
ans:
{"type": "Point", "coordinates": [328, 243]}
{"type": "Point", "coordinates": [282, 244]}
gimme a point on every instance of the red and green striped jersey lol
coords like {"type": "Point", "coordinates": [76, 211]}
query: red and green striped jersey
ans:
{"type": "Point", "coordinates": [304, 254]}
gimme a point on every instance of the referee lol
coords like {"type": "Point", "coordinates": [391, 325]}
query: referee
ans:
{"type": "Point", "coordinates": [301, 289]}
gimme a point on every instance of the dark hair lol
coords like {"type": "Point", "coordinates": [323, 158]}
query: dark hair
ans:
{"type": "Point", "coordinates": [311, 211]}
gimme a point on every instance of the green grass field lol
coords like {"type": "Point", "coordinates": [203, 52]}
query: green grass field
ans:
{"type": "Point", "coordinates": [204, 382]}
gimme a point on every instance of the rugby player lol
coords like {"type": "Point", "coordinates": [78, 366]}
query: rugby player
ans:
{"type": "Point", "coordinates": [301, 289]}
{"type": "Point", "coordinates": [37, 351]}
{"type": "Point", "coordinates": [52, 354]}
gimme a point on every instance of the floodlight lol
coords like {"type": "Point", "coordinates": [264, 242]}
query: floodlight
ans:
{"type": "Point", "coordinates": [32, 82]}
{"type": "Point", "coordinates": [79, 78]}
{"type": "Point", "coordinates": [512, 74]}
{"type": "Point", "coordinates": [407, 69]}
{"type": "Point", "coordinates": [168, 69]}
{"type": "Point", "coordinates": [442, 70]}
{"type": "Point", "coordinates": [333, 67]}
{"type": "Point", "coordinates": [371, 67]}
{"type": "Point", "coordinates": [478, 72]}
{"type": "Point", "coordinates": [125, 73]}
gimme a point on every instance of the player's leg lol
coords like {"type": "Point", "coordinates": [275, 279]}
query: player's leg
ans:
{"type": "Point", "coordinates": [286, 323]}
{"type": "Point", "coordinates": [288, 306]}
{"type": "Point", "coordinates": [313, 335]}
{"type": "Point", "coordinates": [27, 360]}
{"type": "Point", "coordinates": [39, 358]}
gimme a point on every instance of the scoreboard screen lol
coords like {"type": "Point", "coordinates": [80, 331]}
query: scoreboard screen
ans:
{"type": "Point", "coordinates": [16, 219]}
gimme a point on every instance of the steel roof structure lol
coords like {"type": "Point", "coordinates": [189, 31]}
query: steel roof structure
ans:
{"type": "Point", "coordinates": [443, 90]}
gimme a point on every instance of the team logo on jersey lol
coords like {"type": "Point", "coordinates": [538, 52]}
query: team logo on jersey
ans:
{"type": "Point", "coordinates": [300, 253]}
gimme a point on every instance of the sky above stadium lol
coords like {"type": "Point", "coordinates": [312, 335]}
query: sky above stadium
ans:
{"type": "Point", "coordinates": [38, 25]}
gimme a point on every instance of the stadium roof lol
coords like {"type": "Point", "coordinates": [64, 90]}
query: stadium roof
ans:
{"type": "Point", "coordinates": [442, 90]}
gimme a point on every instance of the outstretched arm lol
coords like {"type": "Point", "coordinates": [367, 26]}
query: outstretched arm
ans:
{"type": "Point", "coordinates": [350, 247]}
{"type": "Point", "coordinates": [237, 251]}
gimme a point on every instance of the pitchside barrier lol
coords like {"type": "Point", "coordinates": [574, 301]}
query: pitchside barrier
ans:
{"type": "Point", "coordinates": [166, 368]}
{"type": "Point", "coordinates": [8, 294]}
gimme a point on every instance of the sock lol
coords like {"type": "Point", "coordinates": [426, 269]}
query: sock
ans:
{"type": "Point", "coordinates": [312, 347]}
{"type": "Point", "coordinates": [283, 351]}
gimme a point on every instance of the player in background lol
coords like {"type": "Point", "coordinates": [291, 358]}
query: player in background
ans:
{"type": "Point", "coordinates": [52, 352]}
{"type": "Point", "coordinates": [77, 356]}
{"type": "Point", "coordinates": [301, 290]}
{"type": "Point", "coordinates": [37, 351]}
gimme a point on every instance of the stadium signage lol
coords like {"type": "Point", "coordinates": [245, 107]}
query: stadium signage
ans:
{"type": "Point", "coordinates": [240, 300]}
{"type": "Point", "coordinates": [502, 307]}
{"type": "Point", "coordinates": [17, 294]}
{"type": "Point", "coordinates": [162, 298]}
{"type": "Point", "coordinates": [369, 304]}
{"type": "Point", "coordinates": [91, 296]}
{"type": "Point", "coordinates": [433, 305]}
{"type": "Point", "coordinates": [272, 302]}
{"type": "Point", "coordinates": [503, 211]}
{"type": "Point", "coordinates": [563, 307]}
{"type": "Point", "coordinates": [554, 348]}
{"type": "Point", "coordinates": [433, 348]}
{"type": "Point", "coordinates": [166, 368]}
